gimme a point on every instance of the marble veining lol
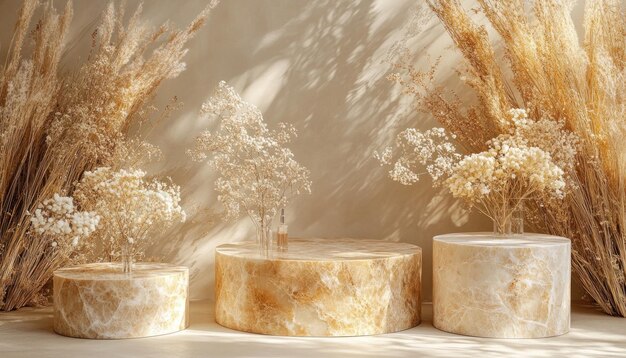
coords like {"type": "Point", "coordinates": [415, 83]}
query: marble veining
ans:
{"type": "Point", "coordinates": [515, 287]}
{"type": "Point", "coordinates": [339, 287]}
{"type": "Point", "coordinates": [100, 301]}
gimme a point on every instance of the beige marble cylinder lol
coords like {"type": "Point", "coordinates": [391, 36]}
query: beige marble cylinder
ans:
{"type": "Point", "coordinates": [515, 287]}
{"type": "Point", "coordinates": [99, 301]}
{"type": "Point", "coordinates": [339, 287]}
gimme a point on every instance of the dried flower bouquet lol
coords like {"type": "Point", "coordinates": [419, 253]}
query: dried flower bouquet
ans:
{"type": "Point", "coordinates": [120, 209]}
{"type": "Point", "coordinates": [514, 168]}
{"type": "Point", "coordinates": [130, 208]}
{"type": "Point", "coordinates": [556, 77]}
{"type": "Point", "coordinates": [55, 127]}
{"type": "Point", "coordinates": [257, 174]}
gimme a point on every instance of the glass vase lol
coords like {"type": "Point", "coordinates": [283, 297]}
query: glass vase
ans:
{"type": "Point", "coordinates": [264, 239]}
{"type": "Point", "coordinates": [517, 220]}
{"type": "Point", "coordinates": [502, 226]}
{"type": "Point", "coordinates": [127, 258]}
{"type": "Point", "coordinates": [510, 222]}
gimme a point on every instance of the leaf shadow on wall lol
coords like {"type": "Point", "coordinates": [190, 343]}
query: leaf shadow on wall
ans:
{"type": "Point", "coordinates": [317, 65]}
{"type": "Point", "coordinates": [336, 93]}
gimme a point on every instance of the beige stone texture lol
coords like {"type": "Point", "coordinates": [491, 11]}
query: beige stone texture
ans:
{"type": "Point", "coordinates": [341, 287]}
{"type": "Point", "coordinates": [320, 66]}
{"type": "Point", "coordinates": [99, 301]}
{"type": "Point", "coordinates": [515, 287]}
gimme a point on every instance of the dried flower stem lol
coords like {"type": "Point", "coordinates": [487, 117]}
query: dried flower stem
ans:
{"type": "Point", "coordinates": [258, 174]}
{"type": "Point", "coordinates": [53, 129]}
{"type": "Point", "coordinates": [554, 76]}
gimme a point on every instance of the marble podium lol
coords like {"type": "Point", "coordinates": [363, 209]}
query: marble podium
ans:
{"type": "Point", "coordinates": [339, 287]}
{"type": "Point", "coordinates": [514, 287]}
{"type": "Point", "coordinates": [99, 301]}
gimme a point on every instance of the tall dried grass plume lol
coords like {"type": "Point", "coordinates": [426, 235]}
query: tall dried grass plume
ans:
{"type": "Point", "coordinates": [56, 125]}
{"type": "Point", "coordinates": [552, 72]}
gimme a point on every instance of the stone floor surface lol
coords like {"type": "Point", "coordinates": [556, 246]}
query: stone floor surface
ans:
{"type": "Point", "coordinates": [28, 333]}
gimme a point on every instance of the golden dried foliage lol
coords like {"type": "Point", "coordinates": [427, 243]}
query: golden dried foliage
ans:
{"type": "Point", "coordinates": [559, 76]}
{"type": "Point", "coordinates": [55, 127]}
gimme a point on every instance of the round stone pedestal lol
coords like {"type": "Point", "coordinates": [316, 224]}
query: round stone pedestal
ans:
{"type": "Point", "coordinates": [99, 301]}
{"type": "Point", "coordinates": [340, 287]}
{"type": "Point", "coordinates": [514, 287]}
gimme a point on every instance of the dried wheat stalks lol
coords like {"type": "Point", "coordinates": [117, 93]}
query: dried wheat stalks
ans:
{"type": "Point", "coordinates": [53, 129]}
{"type": "Point", "coordinates": [558, 76]}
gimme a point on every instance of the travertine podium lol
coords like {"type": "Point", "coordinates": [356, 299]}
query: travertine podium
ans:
{"type": "Point", "coordinates": [100, 301]}
{"type": "Point", "coordinates": [489, 286]}
{"type": "Point", "coordinates": [341, 287]}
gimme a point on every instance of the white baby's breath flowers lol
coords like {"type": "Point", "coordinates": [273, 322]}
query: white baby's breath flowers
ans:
{"type": "Point", "coordinates": [546, 134]}
{"type": "Point", "coordinates": [59, 218]}
{"type": "Point", "coordinates": [131, 206]}
{"type": "Point", "coordinates": [257, 174]}
{"type": "Point", "coordinates": [513, 173]}
{"type": "Point", "coordinates": [473, 177]}
{"type": "Point", "coordinates": [528, 162]}
{"type": "Point", "coordinates": [431, 150]}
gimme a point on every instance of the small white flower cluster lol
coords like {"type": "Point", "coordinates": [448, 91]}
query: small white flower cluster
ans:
{"type": "Point", "coordinates": [130, 205]}
{"type": "Point", "coordinates": [59, 218]}
{"type": "Point", "coordinates": [472, 177]}
{"type": "Point", "coordinates": [503, 168]}
{"type": "Point", "coordinates": [431, 149]}
{"type": "Point", "coordinates": [546, 134]}
{"type": "Point", "coordinates": [257, 174]}
{"type": "Point", "coordinates": [529, 161]}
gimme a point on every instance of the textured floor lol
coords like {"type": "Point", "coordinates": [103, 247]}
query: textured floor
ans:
{"type": "Point", "coordinates": [28, 333]}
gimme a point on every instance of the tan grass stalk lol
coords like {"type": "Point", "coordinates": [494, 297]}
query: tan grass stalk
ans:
{"type": "Point", "coordinates": [559, 76]}
{"type": "Point", "coordinates": [53, 128]}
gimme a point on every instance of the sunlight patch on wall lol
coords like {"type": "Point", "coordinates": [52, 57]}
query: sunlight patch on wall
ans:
{"type": "Point", "coordinates": [262, 91]}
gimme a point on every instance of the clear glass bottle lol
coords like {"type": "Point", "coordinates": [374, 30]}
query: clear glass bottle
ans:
{"type": "Point", "coordinates": [517, 220]}
{"type": "Point", "coordinates": [282, 238]}
{"type": "Point", "coordinates": [127, 257]}
{"type": "Point", "coordinates": [264, 239]}
{"type": "Point", "coordinates": [510, 223]}
{"type": "Point", "coordinates": [502, 226]}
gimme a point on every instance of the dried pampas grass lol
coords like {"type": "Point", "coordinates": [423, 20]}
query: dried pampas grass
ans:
{"type": "Point", "coordinates": [55, 127]}
{"type": "Point", "coordinates": [555, 75]}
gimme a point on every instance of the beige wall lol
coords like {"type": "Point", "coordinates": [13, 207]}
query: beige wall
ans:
{"type": "Point", "coordinates": [316, 64]}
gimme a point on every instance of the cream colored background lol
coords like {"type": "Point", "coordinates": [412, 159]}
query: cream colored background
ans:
{"type": "Point", "coordinates": [319, 65]}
